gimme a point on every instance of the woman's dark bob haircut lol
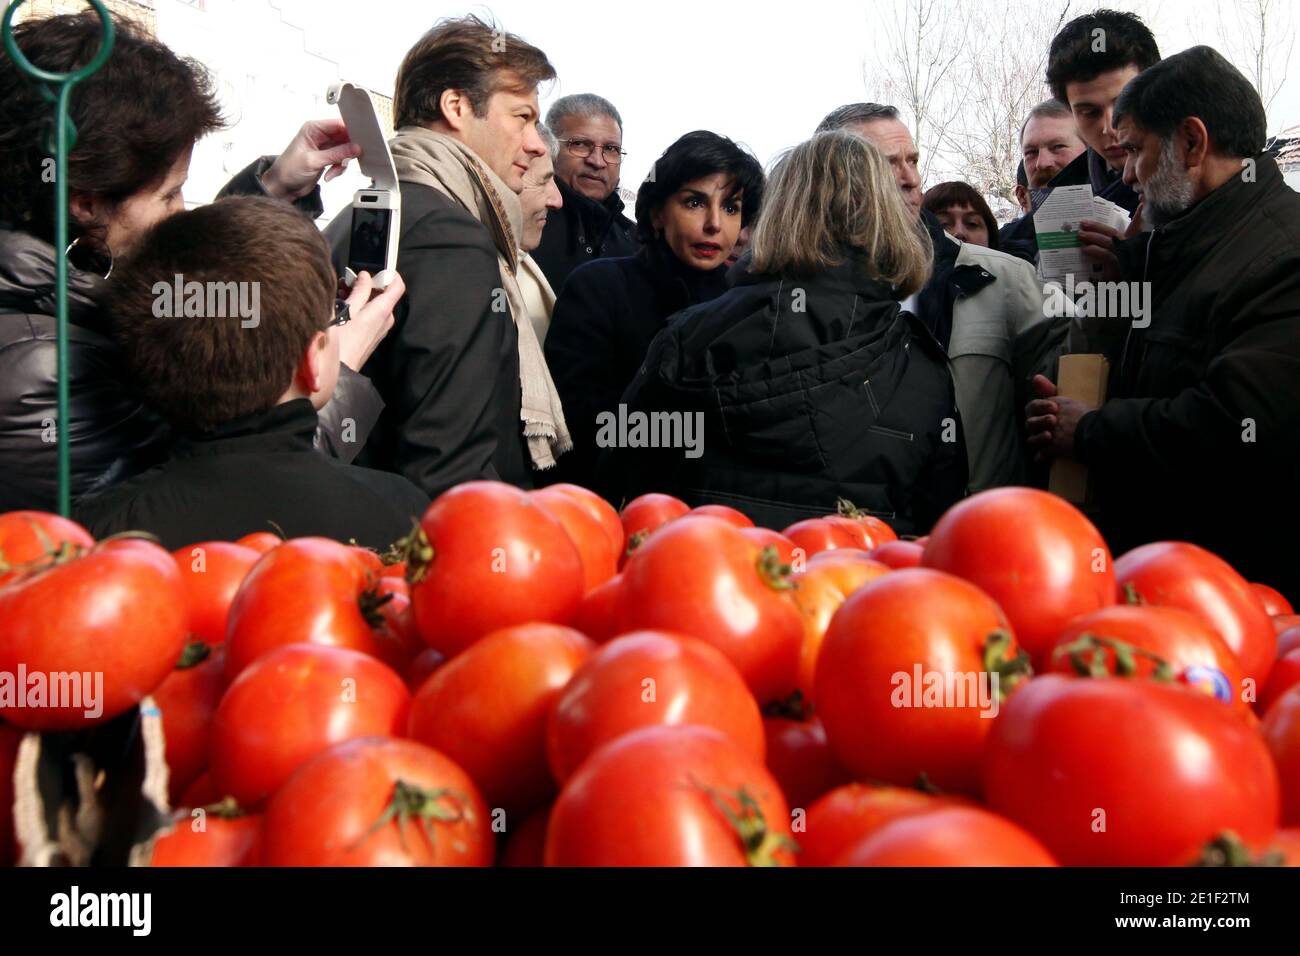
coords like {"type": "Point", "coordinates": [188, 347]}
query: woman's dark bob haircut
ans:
{"type": "Point", "coordinates": [695, 156]}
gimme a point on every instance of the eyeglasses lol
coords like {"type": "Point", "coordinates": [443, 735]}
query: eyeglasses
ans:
{"type": "Point", "coordinates": [582, 148]}
{"type": "Point", "coordinates": [342, 314]}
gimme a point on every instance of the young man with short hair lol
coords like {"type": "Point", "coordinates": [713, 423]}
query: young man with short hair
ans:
{"type": "Point", "coordinates": [241, 385]}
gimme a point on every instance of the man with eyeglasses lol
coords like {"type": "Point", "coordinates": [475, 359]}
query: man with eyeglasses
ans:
{"type": "Point", "coordinates": [588, 159]}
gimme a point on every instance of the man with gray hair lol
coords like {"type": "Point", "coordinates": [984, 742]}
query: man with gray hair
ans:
{"type": "Point", "coordinates": [1050, 144]}
{"type": "Point", "coordinates": [985, 307]}
{"type": "Point", "coordinates": [588, 158]}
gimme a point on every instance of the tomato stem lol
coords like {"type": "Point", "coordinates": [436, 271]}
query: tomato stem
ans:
{"type": "Point", "coordinates": [1011, 671]}
{"type": "Point", "coordinates": [761, 844]}
{"type": "Point", "coordinates": [773, 570]}
{"type": "Point", "coordinates": [794, 707]}
{"type": "Point", "coordinates": [848, 509]}
{"type": "Point", "coordinates": [370, 601]}
{"type": "Point", "coordinates": [410, 802]}
{"type": "Point", "coordinates": [227, 808]}
{"type": "Point", "coordinates": [195, 653]}
{"type": "Point", "coordinates": [635, 541]}
{"type": "Point", "coordinates": [1087, 655]}
{"type": "Point", "coordinates": [1226, 849]}
{"type": "Point", "coordinates": [1132, 595]}
{"type": "Point", "coordinates": [418, 553]}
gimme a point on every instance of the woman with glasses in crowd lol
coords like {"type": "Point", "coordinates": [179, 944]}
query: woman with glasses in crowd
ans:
{"type": "Point", "coordinates": [690, 211]}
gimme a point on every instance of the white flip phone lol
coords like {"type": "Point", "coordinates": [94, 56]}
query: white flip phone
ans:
{"type": "Point", "coordinates": [376, 210]}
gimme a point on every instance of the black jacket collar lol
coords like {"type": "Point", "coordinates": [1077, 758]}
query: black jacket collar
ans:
{"type": "Point", "coordinates": [290, 426]}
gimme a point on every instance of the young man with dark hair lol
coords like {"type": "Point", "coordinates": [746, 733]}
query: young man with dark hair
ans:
{"type": "Point", "coordinates": [227, 320]}
{"type": "Point", "coordinates": [466, 388]}
{"type": "Point", "coordinates": [1197, 438]}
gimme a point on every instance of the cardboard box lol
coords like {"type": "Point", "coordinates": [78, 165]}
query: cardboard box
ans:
{"type": "Point", "coordinates": [1083, 378]}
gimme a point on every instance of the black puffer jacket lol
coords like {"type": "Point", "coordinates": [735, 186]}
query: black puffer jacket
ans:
{"type": "Point", "coordinates": [808, 390]}
{"type": "Point", "coordinates": [112, 434]}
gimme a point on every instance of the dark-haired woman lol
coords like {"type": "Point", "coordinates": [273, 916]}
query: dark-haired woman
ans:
{"type": "Point", "coordinates": [701, 192]}
{"type": "Point", "coordinates": [963, 212]}
{"type": "Point", "coordinates": [137, 121]}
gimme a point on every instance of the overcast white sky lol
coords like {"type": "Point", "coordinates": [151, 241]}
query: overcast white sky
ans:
{"type": "Point", "coordinates": [761, 72]}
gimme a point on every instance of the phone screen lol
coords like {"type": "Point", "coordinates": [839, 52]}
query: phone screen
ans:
{"type": "Point", "coordinates": [369, 240]}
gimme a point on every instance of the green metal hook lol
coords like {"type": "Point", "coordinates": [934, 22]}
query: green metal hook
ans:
{"type": "Point", "coordinates": [65, 135]}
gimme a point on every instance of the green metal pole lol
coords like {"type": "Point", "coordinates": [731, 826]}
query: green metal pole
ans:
{"type": "Point", "coordinates": [65, 137]}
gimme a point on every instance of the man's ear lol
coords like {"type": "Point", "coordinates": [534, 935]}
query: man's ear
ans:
{"type": "Point", "coordinates": [86, 209]}
{"type": "Point", "coordinates": [1196, 138]}
{"type": "Point", "coordinates": [454, 108]}
{"type": "Point", "coordinates": [311, 369]}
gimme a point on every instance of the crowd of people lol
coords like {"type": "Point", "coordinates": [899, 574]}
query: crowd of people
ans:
{"type": "Point", "coordinates": [835, 331]}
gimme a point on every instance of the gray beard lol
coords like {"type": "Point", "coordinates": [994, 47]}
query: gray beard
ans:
{"type": "Point", "coordinates": [1168, 193]}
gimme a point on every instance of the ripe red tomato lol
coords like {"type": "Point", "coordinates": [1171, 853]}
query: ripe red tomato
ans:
{"type": "Point", "coordinates": [370, 560]}
{"type": "Point", "coordinates": [1287, 641]}
{"type": "Point", "coordinates": [729, 515]}
{"type": "Point", "coordinates": [486, 709]}
{"type": "Point", "coordinates": [598, 508]}
{"type": "Point", "coordinates": [424, 664]}
{"type": "Point", "coordinates": [600, 615]}
{"type": "Point", "coordinates": [202, 792]}
{"type": "Point", "coordinates": [188, 698]}
{"type": "Point", "coordinates": [378, 802]}
{"type": "Point", "coordinates": [10, 738]}
{"type": "Point", "coordinates": [951, 836]}
{"type": "Point", "coordinates": [212, 573]}
{"type": "Point", "coordinates": [1273, 600]}
{"type": "Point", "coordinates": [872, 531]}
{"type": "Point", "coordinates": [906, 678]}
{"type": "Point", "coordinates": [599, 557]}
{"type": "Point", "coordinates": [1281, 731]}
{"type": "Point", "coordinates": [1284, 622]}
{"type": "Point", "coordinates": [801, 760]}
{"type": "Point", "coordinates": [645, 515]}
{"type": "Point", "coordinates": [28, 536]}
{"type": "Point", "coordinates": [1033, 553]}
{"type": "Point", "coordinates": [261, 541]}
{"type": "Point", "coordinates": [649, 678]}
{"type": "Point", "coordinates": [217, 841]}
{"type": "Point", "coordinates": [786, 552]}
{"type": "Point", "coordinates": [819, 592]}
{"type": "Point", "coordinates": [489, 557]}
{"type": "Point", "coordinates": [843, 817]}
{"type": "Point", "coordinates": [1284, 675]}
{"type": "Point", "coordinates": [526, 843]}
{"type": "Point", "coordinates": [814, 535]}
{"type": "Point", "coordinates": [1146, 637]}
{"type": "Point", "coordinates": [1115, 772]}
{"type": "Point", "coordinates": [1176, 574]}
{"type": "Point", "coordinates": [94, 634]}
{"type": "Point", "coordinates": [701, 577]}
{"type": "Point", "coordinates": [291, 704]}
{"type": "Point", "coordinates": [669, 796]}
{"type": "Point", "coordinates": [308, 590]}
{"type": "Point", "coordinates": [898, 554]}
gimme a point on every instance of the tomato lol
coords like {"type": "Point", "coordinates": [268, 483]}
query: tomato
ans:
{"type": "Point", "coordinates": [1166, 643]}
{"type": "Point", "coordinates": [424, 664]}
{"type": "Point", "coordinates": [819, 592]}
{"type": "Point", "coordinates": [202, 792]}
{"type": "Point", "coordinates": [204, 837]}
{"type": "Point", "coordinates": [649, 678]}
{"type": "Point", "coordinates": [600, 615]}
{"type": "Point", "coordinates": [913, 666]}
{"type": "Point", "coordinates": [873, 530]}
{"type": "Point", "coordinates": [801, 760]}
{"type": "Point", "coordinates": [1287, 641]}
{"type": "Point", "coordinates": [291, 704]}
{"type": "Point", "coordinates": [898, 554]}
{"type": "Point", "coordinates": [10, 738]}
{"type": "Point", "coordinates": [1033, 553]}
{"type": "Point", "coordinates": [814, 535]}
{"type": "Point", "coordinates": [1273, 600]}
{"type": "Point", "coordinates": [645, 515]}
{"type": "Point", "coordinates": [212, 572]}
{"type": "Point", "coordinates": [378, 802]}
{"type": "Point", "coordinates": [95, 633]}
{"type": "Point", "coordinates": [526, 843]}
{"type": "Point", "coordinates": [188, 698]}
{"type": "Point", "coordinates": [487, 557]}
{"type": "Point", "coordinates": [486, 709]}
{"type": "Point", "coordinates": [701, 577]}
{"type": "Point", "coordinates": [599, 557]}
{"type": "Point", "coordinates": [308, 590]}
{"type": "Point", "coordinates": [951, 836]}
{"type": "Point", "coordinates": [1281, 731]}
{"type": "Point", "coordinates": [261, 541]}
{"type": "Point", "coordinates": [598, 508]}
{"type": "Point", "coordinates": [669, 796]}
{"type": "Point", "coordinates": [1284, 622]}
{"type": "Point", "coordinates": [29, 536]}
{"type": "Point", "coordinates": [1115, 772]}
{"type": "Point", "coordinates": [1284, 675]}
{"type": "Point", "coordinates": [729, 515]}
{"type": "Point", "coordinates": [395, 570]}
{"type": "Point", "coordinates": [786, 552]}
{"type": "Point", "coordinates": [399, 638]}
{"type": "Point", "coordinates": [841, 818]}
{"type": "Point", "coordinates": [1176, 574]}
{"type": "Point", "coordinates": [370, 560]}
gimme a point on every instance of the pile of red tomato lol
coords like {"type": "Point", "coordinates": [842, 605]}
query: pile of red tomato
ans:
{"type": "Point", "coordinates": [532, 678]}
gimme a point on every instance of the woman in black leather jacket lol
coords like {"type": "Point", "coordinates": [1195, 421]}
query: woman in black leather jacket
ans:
{"type": "Point", "coordinates": [137, 120]}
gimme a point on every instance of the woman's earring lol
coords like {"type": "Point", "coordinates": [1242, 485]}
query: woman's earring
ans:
{"type": "Point", "coordinates": [111, 259]}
